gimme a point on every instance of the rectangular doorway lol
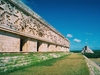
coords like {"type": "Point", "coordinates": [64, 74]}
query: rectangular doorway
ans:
{"type": "Point", "coordinates": [22, 43]}
{"type": "Point", "coordinates": [38, 45]}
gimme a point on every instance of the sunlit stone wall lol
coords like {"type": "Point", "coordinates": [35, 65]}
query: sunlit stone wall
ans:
{"type": "Point", "coordinates": [22, 30]}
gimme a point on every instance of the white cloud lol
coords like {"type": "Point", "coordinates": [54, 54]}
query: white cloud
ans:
{"type": "Point", "coordinates": [77, 40]}
{"type": "Point", "coordinates": [69, 35]}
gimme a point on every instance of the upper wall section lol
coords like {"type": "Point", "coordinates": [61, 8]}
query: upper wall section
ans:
{"type": "Point", "coordinates": [17, 18]}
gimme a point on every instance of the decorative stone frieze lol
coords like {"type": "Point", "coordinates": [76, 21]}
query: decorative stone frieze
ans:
{"type": "Point", "coordinates": [18, 19]}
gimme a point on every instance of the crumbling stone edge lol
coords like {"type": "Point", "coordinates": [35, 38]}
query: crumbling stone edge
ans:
{"type": "Point", "coordinates": [93, 67]}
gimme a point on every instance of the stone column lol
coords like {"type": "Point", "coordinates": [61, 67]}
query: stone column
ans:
{"type": "Point", "coordinates": [28, 45]}
{"type": "Point", "coordinates": [51, 48]}
{"type": "Point", "coordinates": [42, 47]}
{"type": "Point", "coordinates": [62, 49]}
{"type": "Point", "coordinates": [67, 50]}
{"type": "Point", "coordinates": [32, 45]}
{"type": "Point", "coordinates": [58, 48]}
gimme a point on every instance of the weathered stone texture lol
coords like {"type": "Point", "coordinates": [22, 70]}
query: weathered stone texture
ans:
{"type": "Point", "coordinates": [19, 20]}
{"type": "Point", "coordinates": [67, 49]}
{"type": "Point", "coordinates": [86, 49]}
{"type": "Point", "coordinates": [29, 45]}
{"type": "Point", "coordinates": [32, 46]}
{"type": "Point", "coordinates": [42, 47]}
{"type": "Point", "coordinates": [9, 42]}
{"type": "Point", "coordinates": [51, 48]}
{"type": "Point", "coordinates": [59, 48]}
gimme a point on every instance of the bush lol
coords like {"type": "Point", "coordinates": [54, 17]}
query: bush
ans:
{"type": "Point", "coordinates": [92, 55]}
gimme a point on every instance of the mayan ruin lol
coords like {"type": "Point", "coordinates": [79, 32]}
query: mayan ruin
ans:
{"type": "Point", "coordinates": [49, 37]}
{"type": "Point", "coordinates": [23, 30]}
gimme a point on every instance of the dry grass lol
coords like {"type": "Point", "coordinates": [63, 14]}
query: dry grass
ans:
{"type": "Point", "coordinates": [73, 64]}
{"type": "Point", "coordinates": [97, 60]}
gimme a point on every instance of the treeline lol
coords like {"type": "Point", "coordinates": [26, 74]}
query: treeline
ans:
{"type": "Point", "coordinates": [96, 54]}
{"type": "Point", "coordinates": [76, 51]}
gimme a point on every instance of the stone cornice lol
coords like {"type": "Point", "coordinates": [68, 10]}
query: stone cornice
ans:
{"type": "Point", "coordinates": [27, 35]}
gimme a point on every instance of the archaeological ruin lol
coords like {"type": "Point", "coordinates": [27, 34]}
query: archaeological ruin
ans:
{"type": "Point", "coordinates": [86, 49]}
{"type": "Point", "coordinates": [23, 30]}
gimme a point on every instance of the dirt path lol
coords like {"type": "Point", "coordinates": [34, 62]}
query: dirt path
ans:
{"type": "Point", "coordinates": [73, 64]}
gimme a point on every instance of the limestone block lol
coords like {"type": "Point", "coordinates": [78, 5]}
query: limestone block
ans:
{"type": "Point", "coordinates": [62, 49]}
{"type": "Point", "coordinates": [19, 19]}
{"type": "Point", "coordinates": [67, 49]}
{"type": "Point", "coordinates": [42, 47]}
{"type": "Point", "coordinates": [52, 48]}
{"type": "Point", "coordinates": [9, 42]}
{"type": "Point", "coordinates": [58, 48]}
{"type": "Point", "coordinates": [28, 45]}
{"type": "Point", "coordinates": [32, 45]}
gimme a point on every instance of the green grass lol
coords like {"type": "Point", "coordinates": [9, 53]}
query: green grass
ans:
{"type": "Point", "coordinates": [73, 64]}
{"type": "Point", "coordinates": [25, 54]}
{"type": "Point", "coordinates": [97, 72]}
{"type": "Point", "coordinates": [29, 59]}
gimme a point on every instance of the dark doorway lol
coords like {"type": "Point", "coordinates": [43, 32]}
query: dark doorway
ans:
{"type": "Point", "coordinates": [48, 45]}
{"type": "Point", "coordinates": [22, 42]}
{"type": "Point", "coordinates": [56, 46]}
{"type": "Point", "coordinates": [38, 45]}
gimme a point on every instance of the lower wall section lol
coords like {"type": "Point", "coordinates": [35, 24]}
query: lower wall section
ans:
{"type": "Point", "coordinates": [14, 43]}
{"type": "Point", "coordinates": [67, 49]}
{"type": "Point", "coordinates": [32, 45]}
{"type": "Point", "coordinates": [42, 47]}
{"type": "Point", "coordinates": [51, 48]}
{"type": "Point", "coordinates": [9, 42]}
{"type": "Point", "coordinates": [29, 45]}
{"type": "Point", "coordinates": [59, 48]}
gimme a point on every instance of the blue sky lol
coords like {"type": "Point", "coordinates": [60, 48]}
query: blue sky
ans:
{"type": "Point", "coordinates": [77, 20]}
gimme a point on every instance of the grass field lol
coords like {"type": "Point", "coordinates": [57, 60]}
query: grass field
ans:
{"type": "Point", "coordinates": [97, 60]}
{"type": "Point", "coordinates": [74, 64]}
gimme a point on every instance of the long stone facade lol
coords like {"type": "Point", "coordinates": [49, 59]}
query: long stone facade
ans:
{"type": "Point", "coordinates": [22, 30]}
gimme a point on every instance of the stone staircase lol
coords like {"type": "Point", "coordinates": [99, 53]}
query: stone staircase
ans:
{"type": "Point", "coordinates": [10, 63]}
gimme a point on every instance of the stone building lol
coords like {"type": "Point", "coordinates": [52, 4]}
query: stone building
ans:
{"type": "Point", "coordinates": [86, 49]}
{"type": "Point", "coordinates": [23, 30]}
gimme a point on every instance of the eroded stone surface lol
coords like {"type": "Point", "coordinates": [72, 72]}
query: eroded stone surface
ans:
{"type": "Point", "coordinates": [9, 42]}
{"type": "Point", "coordinates": [17, 18]}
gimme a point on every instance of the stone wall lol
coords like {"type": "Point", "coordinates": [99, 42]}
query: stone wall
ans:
{"type": "Point", "coordinates": [21, 22]}
{"type": "Point", "coordinates": [9, 42]}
